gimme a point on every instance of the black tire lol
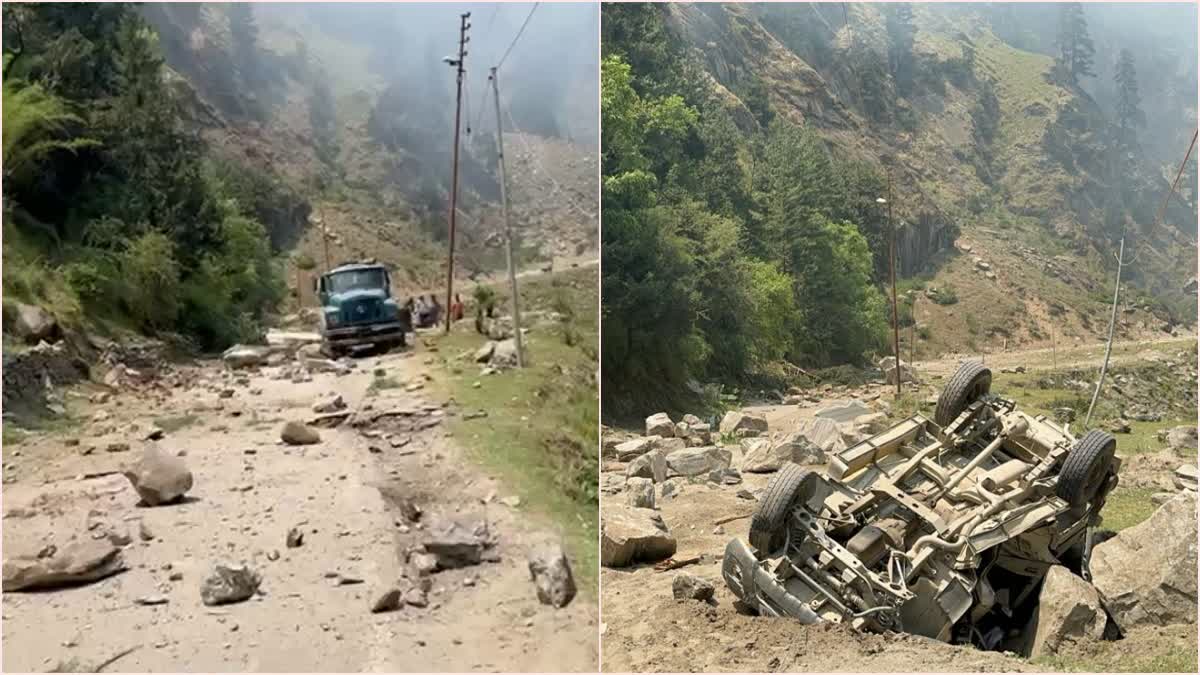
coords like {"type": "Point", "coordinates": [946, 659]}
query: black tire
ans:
{"type": "Point", "coordinates": [971, 381]}
{"type": "Point", "coordinates": [1086, 468]}
{"type": "Point", "coordinates": [767, 526]}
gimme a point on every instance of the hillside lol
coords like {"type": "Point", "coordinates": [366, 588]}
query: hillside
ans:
{"type": "Point", "coordinates": [1013, 219]}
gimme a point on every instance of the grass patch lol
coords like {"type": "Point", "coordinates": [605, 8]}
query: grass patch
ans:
{"type": "Point", "coordinates": [1117, 656]}
{"type": "Point", "coordinates": [1127, 507]}
{"type": "Point", "coordinates": [12, 435]}
{"type": "Point", "coordinates": [541, 433]}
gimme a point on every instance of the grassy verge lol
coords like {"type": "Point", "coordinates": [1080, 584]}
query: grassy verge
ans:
{"type": "Point", "coordinates": [1172, 650]}
{"type": "Point", "coordinates": [540, 434]}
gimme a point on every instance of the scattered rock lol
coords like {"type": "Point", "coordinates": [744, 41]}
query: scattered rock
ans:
{"type": "Point", "coordinates": [388, 601]}
{"type": "Point", "coordinates": [329, 403]}
{"type": "Point", "coordinates": [823, 433]}
{"type": "Point", "coordinates": [295, 538]}
{"type": "Point", "coordinates": [504, 355]}
{"type": "Point", "coordinates": [1146, 574]}
{"type": "Point", "coordinates": [229, 584]}
{"type": "Point", "coordinates": [843, 411]}
{"type": "Point", "coordinates": [1185, 477]}
{"type": "Point", "coordinates": [245, 356]}
{"type": "Point", "coordinates": [34, 324]}
{"type": "Point", "coordinates": [159, 478]}
{"type": "Point", "coordinates": [629, 535]}
{"type": "Point", "coordinates": [144, 532]}
{"type": "Point", "coordinates": [455, 549]}
{"type": "Point", "coordinates": [484, 353]}
{"type": "Point", "coordinates": [416, 597]}
{"type": "Point", "coordinates": [150, 600]}
{"type": "Point", "coordinates": [888, 365]}
{"type": "Point", "coordinates": [764, 455]}
{"type": "Point", "coordinates": [652, 465]}
{"type": "Point", "coordinates": [698, 461]}
{"type": "Point", "coordinates": [80, 561]}
{"type": "Point", "coordinates": [117, 446]}
{"type": "Point", "coordinates": [738, 423]}
{"type": "Point", "coordinates": [1068, 607]}
{"type": "Point", "coordinates": [630, 450]}
{"type": "Point", "coordinates": [691, 587]}
{"type": "Point", "coordinates": [640, 492]}
{"type": "Point", "coordinates": [660, 424]}
{"type": "Point", "coordinates": [298, 433]}
{"type": "Point", "coordinates": [551, 573]}
{"type": "Point", "coordinates": [1182, 438]}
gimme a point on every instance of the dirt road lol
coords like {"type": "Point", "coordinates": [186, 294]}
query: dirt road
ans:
{"type": "Point", "coordinates": [249, 490]}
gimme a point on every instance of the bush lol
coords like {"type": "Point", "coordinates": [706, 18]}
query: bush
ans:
{"type": "Point", "coordinates": [945, 295]}
{"type": "Point", "coordinates": [150, 275]}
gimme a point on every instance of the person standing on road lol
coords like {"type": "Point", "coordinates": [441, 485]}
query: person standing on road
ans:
{"type": "Point", "coordinates": [456, 309]}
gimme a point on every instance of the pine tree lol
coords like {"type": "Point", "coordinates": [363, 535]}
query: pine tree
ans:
{"type": "Point", "coordinates": [1075, 49]}
{"type": "Point", "coordinates": [902, 34]}
{"type": "Point", "coordinates": [1129, 112]}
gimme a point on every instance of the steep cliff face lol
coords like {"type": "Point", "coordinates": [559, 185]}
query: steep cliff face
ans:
{"type": "Point", "coordinates": [982, 144]}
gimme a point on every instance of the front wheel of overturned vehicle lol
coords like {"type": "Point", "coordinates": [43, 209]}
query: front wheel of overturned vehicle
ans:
{"type": "Point", "coordinates": [970, 382]}
{"type": "Point", "coordinates": [1085, 470]}
{"type": "Point", "coordinates": [768, 526]}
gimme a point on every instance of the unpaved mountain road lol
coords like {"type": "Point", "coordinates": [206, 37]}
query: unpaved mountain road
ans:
{"type": "Point", "coordinates": [249, 491]}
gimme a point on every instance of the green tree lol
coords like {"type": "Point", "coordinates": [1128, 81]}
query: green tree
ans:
{"type": "Point", "coordinates": [36, 125]}
{"type": "Point", "coordinates": [1129, 112]}
{"type": "Point", "coordinates": [1075, 49]}
{"type": "Point", "coordinates": [901, 35]}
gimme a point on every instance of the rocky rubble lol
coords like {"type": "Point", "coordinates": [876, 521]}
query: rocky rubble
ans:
{"type": "Point", "coordinates": [80, 561]}
{"type": "Point", "coordinates": [630, 535]}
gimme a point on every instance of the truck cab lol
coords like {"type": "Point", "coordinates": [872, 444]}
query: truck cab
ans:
{"type": "Point", "coordinates": [357, 309]}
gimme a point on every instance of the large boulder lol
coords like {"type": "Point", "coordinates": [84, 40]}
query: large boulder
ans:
{"type": "Point", "coordinates": [629, 535]}
{"type": "Point", "coordinates": [1182, 438]}
{"type": "Point", "coordinates": [652, 465]}
{"type": "Point", "coordinates": [78, 562]}
{"type": "Point", "coordinates": [687, 586]}
{"type": "Point", "coordinates": [245, 356]}
{"type": "Point", "coordinates": [843, 411]}
{"type": "Point", "coordinates": [823, 433]}
{"type": "Point", "coordinates": [1146, 575]}
{"type": "Point", "coordinates": [764, 455]}
{"type": "Point", "coordinates": [640, 492]}
{"type": "Point", "coordinates": [1068, 608]}
{"type": "Point", "coordinates": [888, 365]}
{"type": "Point", "coordinates": [698, 461]}
{"type": "Point", "coordinates": [158, 477]}
{"type": "Point", "coordinates": [34, 324]}
{"type": "Point", "coordinates": [742, 424]}
{"type": "Point", "coordinates": [299, 433]}
{"type": "Point", "coordinates": [551, 574]}
{"type": "Point", "coordinates": [631, 450]}
{"type": "Point", "coordinates": [660, 424]}
{"type": "Point", "coordinates": [1185, 477]}
{"type": "Point", "coordinates": [504, 355]}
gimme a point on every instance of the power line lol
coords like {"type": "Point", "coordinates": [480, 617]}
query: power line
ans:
{"type": "Point", "coordinates": [518, 37]}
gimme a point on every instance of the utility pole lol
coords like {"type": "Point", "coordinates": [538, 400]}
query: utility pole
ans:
{"type": "Point", "coordinates": [325, 237]}
{"type": "Point", "coordinates": [508, 247]}
{"type": "Point", "coordinates": [892, 271]}
{"type": "Point", "coordinates": [458, 64]}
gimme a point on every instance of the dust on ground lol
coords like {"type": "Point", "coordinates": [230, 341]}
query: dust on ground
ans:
{"type": "Point", "coordinates": [249, 490]}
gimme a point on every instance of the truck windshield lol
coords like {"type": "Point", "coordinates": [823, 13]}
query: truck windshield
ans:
{"type": "Point", "coordinates": [341, 282]}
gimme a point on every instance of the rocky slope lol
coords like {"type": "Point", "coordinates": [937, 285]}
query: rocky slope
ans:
{"type": "Point", "coordinates": [1028, 203]}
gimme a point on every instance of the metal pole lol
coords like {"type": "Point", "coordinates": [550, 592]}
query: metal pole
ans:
{"type": "Point", "coordinates": [508, 249]}
{"type": "Point", "coordinates": [325, 238]}
{"type": "Point", "coordinates": [1112, 323]}
{"type": "Point", "coordinates": [892, 265]}
{"type": "Point", "coordinates": [462, 44]}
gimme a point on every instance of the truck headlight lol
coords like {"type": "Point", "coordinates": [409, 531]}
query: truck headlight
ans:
{"type": "Point", "coordinates": [332, 317]}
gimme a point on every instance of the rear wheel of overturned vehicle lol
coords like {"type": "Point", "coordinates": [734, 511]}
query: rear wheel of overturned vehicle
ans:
{"type": "Point", "coordinates": [1086, 468]}
{"type": "Point", "coordinates": [970, 382]}
{"type": "Point", "coordinates": [768, 527]}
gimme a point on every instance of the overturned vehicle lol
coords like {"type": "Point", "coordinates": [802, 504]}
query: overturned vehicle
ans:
{"type": "Point", "coordinates": [943, 528]}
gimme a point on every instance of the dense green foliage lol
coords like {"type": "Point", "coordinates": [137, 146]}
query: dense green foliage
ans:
{"type": "Point", "coordinates": [112, 197]}
{"type": "Point", "coordinates": [1075, 49]}
{"type": "Point", "coordinates": [725, 250]}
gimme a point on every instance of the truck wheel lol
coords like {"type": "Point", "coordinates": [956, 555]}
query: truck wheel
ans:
{"type": "Point", "coordinates": [971, 381]}
{"type": "Point", "coordinates": [768, 526]}
{"type": "Point", "coordinates": [1086, 468]}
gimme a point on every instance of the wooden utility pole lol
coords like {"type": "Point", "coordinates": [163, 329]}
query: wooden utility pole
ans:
{"type": "Point", "coordinates": [508, 244]}
{"type": "Point", "coordinates": [462, 53]}
{"type": "Point", "coordinates": [325, 237]}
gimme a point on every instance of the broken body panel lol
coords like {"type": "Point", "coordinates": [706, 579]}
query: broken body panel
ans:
{"type": "Point", "coordinates": [941, 532]}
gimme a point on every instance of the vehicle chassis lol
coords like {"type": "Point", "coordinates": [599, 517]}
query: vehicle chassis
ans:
{"type": "Point", "coordinates": [943, 531]}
